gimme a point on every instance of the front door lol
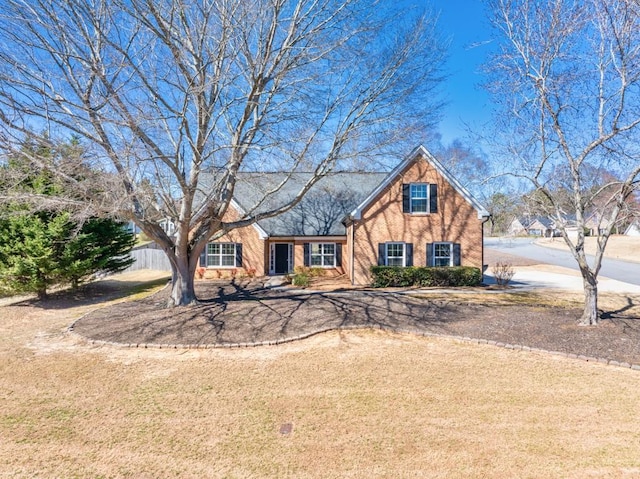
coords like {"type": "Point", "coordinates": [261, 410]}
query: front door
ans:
{"type": "Point", "coordinates": [281, 252]}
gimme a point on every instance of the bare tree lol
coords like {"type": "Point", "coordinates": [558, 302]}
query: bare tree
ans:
{"type": "Point", "coordinates": [567, 76]}
{"type": "Point", "coordinates": [471, 166]}
{"type": "Point", "coordinates": [320, 210]}
{"type": "Point", "coordinates": [466, 163]}
{"type": "Point", "coordinates": [162, 91]}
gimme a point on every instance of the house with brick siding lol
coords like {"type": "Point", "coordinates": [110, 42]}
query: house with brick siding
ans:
{"type": "Point", "coordinates": [416, 215]}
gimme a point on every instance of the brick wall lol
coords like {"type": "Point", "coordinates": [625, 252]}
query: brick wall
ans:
{"type": "Point", "coordinates": [299, 253]}
{"type": "Point", "coordinates": [253, 250]}
{"type": "Point", "coordinates": [383, 220]}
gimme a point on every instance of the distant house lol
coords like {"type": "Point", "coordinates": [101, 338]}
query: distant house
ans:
{"type": "Point", "coordinates": [633, 229]}
{"type": "Point", "coordinates": [168, 226]}
{"type": "Point", "coordinates": [132, 228]}
{"type": "Point", "coordinates": [597, 225]}
{"type": "Point", "coordinates": [532, 226]}
{"type": "Point", "coordinates": [416, 215]}
{"type": "Point", "coordinates": [540, 226]}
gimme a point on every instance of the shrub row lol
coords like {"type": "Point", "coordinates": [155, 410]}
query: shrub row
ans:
{"type": "Point", "coordinates": [390, 276]}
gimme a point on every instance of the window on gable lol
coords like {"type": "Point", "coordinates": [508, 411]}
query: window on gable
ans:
{"type": "Point", "coordinates": [395, 254]}
{"type": "Point", "coordinates": [418, 197]}
{"type": "Point", "coordinates": [221, 254]}
{"type": "Point", "coordinates": [443, 254]}
{"type": "Point", "coordinates": [323, 254]}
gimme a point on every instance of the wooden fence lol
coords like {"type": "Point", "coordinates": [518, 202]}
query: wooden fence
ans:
{"type": "Point", "coordinates": [149, 258]}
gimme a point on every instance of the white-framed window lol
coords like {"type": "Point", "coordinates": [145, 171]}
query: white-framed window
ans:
{"type": "Point", "coordinates": [323, 254]}
{"type": "Point", "coordinates": [419, 198]}
{"type": "Point", "coordinates": [221, 255]}
{"type": "Point", "coordinates": [443, 254]}
{"type": "Point", "coordinates": [395, 254]}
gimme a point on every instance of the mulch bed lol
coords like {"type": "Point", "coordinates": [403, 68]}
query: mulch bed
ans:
{"type": "Point", "coordinates": [231, 313]}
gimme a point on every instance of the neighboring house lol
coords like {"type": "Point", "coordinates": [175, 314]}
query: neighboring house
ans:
{"type": "Point", "coordinates": [596, 225]}
{"type": "Point", "coordinates": [168, 226]}
{"type": "Point", "coordinates": [541, 226]}
{"type": "Point", "coordinates": [633, 229]}
{"type": "Point", "coordinates": [132, 228]}
{"type": "Point", "coordinates": [516, 227]}
{"type": "Point", "coordinates": [416, 215]}
{"type": "Point", "coordinates": [532, 226]}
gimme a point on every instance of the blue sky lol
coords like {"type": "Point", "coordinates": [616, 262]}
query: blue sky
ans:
{"type": "Point", "coordinates": [465, 23]}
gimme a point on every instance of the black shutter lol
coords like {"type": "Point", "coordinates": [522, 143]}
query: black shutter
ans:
{"type": "Point", "coordinates": [429, 254]}
{"type": "Point", "coordinates": [239, 255]}
{"type": "Point", "coordinates": [338, 254]}
{"type": "Point", "coordinates": [408, 254]}
{"type": "Point", "coordinates": [456, 254]}
{"type": "Point", "coordinates": [203, 256]}
{"type": "Point", "coordinates": [433, 198]}
{"type": "Point", "coordinates": [381, 254]}
{"type": "Point", "coordinates": [406, 200]}
{"type": "Point", "coordinates": [307, 254]}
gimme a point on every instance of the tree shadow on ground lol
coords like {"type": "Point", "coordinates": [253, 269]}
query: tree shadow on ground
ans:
{"type": "Point", "coordinates": [95, 293]}
{"type": "Point", "coordinates": [618, 313]}
{"type": "Point", "coordinates": [244, 313]}
{"type": "Point", "coordinates": [628, 323]}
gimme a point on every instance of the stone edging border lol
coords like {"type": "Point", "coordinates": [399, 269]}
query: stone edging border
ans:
{"type": "Point", "coordinates": [275, 342]}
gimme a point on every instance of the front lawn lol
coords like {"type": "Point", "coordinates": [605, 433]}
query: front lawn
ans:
{"type": "Point", "coordinates": [354, 404]}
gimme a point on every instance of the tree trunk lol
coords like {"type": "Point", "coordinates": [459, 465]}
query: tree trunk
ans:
{"type": "Point", "coordinates": [42, 293]}
{"type": "Point", "coordinates": [182, 281]}
{"type": "Point", "coordinates": [590, 313]}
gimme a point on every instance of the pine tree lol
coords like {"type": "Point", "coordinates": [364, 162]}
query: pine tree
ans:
{"type": "Point", "coordinates": [102, 245]}
{"type": "Point", "coordinates": [42, 249]}
{"type": "Point", "coordinates": [30, 247]}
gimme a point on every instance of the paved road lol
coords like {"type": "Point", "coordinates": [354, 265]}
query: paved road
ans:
{"type": "Point", "coordinates": [525, 247]}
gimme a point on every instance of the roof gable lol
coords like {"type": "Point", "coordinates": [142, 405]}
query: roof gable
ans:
{"type": "Point", "coordinates": [535, 222]}
{"type": "Point", "coordinates": [420, 152]}
{"type": "Point", "coordinates": [633, 229]}
{"type": "Point", "coordinates": [262, 234]}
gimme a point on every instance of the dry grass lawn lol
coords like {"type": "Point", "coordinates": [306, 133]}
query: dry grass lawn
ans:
{"type": "Point", "coordinates": [345, 404]}
{"type": "Point", "coordinates": [619, 246]}
{"type": "Point", "coordinates": [547, 297]}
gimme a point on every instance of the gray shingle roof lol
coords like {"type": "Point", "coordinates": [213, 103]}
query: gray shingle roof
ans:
{"type": "Point", "coordinates": [337, 196]}
{"type": "Point", "coordinates": [321, 210]}
{"type": "Point", "coordinates": [528, 221]}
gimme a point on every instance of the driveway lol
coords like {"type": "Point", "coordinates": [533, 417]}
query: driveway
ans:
{"type": "Point", "coordinates": [611, 268]}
